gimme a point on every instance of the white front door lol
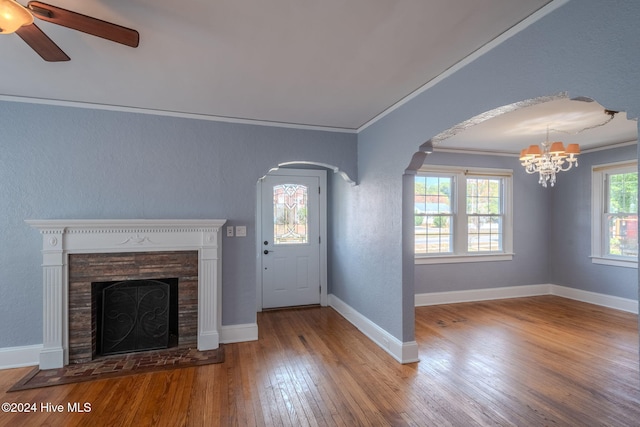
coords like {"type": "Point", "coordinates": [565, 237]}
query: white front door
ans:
{"type": "Point", "coordinates": [290, 247]}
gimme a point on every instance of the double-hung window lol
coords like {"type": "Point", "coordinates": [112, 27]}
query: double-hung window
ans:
{"type": "Point", "coordinates": [462, 215]}
{"type": "Point", "coordinates": [614, 234]}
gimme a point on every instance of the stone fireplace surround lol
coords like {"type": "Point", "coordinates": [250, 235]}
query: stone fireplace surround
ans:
{"type": "Point", "coordinates": [86, 269]}
{"type": "Point", "coordinates": [62, 238]}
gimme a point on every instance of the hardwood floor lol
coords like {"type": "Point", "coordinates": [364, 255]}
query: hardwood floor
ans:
{"type": "Point", "coordinates": [521, 362]}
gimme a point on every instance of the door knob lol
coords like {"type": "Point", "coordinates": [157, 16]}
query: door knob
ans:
{"type": "Point", "coordinates": [266, 251]}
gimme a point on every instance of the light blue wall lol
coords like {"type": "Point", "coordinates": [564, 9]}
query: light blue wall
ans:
{"type": "Point", "coordinates": [59, 162]}
{"type": "Point", "coordinates": [531, 240]}
{"type": "Point", "coordinates": [554, 244]}
{"type": "Point", "coordinates": [586, 48]}
{"type": "Point", "coordinates": [570, 227]}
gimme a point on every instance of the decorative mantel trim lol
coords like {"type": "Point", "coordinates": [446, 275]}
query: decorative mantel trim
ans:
{"type": "Point", "coordinates": [63, 237]}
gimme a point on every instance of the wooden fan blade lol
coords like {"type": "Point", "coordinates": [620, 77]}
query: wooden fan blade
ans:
{"type": "Point", "coordinates": [84, 23]}
{"type": "Point", "coordinates": [41, 43]}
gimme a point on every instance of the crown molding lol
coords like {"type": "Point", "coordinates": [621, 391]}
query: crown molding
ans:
{"type": "Point", "coordinates": [168, 113]}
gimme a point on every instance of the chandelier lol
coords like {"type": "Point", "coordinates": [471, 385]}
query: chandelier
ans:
{"type": "Point", "coordinates": [549, 160]}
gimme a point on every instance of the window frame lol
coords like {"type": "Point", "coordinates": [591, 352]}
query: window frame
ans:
{"type": "Point", "coordinates": [460, 252]}
{"type": "Point", "coordinates": [599, 203]}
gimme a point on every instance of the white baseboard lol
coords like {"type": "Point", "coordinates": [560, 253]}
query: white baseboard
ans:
{"type": "Point", "coordinates": [435, 298]}
{"type": "Point", "coordinates": [453, 297]}
{"type": "Point", "coordinates": [239, 333]}
{"type": "Point", "coordinates": [18, 357]}
{"type": "Point", "coordinates": [403, 352]}
{"type": "Point", "coordinates": [623, 304]}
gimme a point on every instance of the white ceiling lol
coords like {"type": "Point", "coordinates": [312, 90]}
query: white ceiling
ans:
{"type": "Point", "coordinates": [329, 63]}
{"type": "Point", "coordinates": [580, 121]}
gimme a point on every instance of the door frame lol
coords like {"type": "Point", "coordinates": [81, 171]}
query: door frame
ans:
{"type": "Point", "coordinates": [321, 174]}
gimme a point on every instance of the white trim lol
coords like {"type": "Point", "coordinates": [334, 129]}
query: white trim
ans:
{"type": "Point", "coordinates": [453, 297]}
{"type": "Point", "coordinates": [614, 262]}
{"type": "Point", "coordinates": [599, 234]}
{"type": "Point", "coordinates": [403, 352]}
{"type": "Point", "coordinates": [617, 303]}
{"type": "Point", "coordinates": [18, 357]}
{"type": "Point", "coordinates": [455, 259]}
{"type": "Point", "coordinates": [609, 147]}
{"type": "Point", "coordinates": [168, 113]}
{"type": "Point", "coordinates": [321, 174]}
{"type": "Point", "coordinates": [531, 19]}
{"type": "Point", "coordinates": [465, 170]}
{"type": "Point", "coordinates": [239, 333]}
{"type": "Point", "coordinates": [440, 149]}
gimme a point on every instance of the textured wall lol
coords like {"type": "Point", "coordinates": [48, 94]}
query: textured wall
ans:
{"type": "Point", "coordinates": [530, 240]}
{"type": "Point", "coordinates": [585, 48]}
{"type": "Point", "coordinates": [59, 162]}
{"type": "Point", "coordinates": [570, 227]}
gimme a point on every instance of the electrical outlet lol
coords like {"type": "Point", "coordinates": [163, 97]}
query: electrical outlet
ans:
{"type": "Point", "coordinates": [230, 231]}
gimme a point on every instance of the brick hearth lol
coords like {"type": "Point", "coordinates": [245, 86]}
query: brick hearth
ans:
{"type": "Point", "coordinates": [103, 267]}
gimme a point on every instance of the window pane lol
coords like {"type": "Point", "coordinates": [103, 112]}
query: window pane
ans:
{"type": "Point", "coordinates": [438, 233]}
{"type": "Point", "coordinates": [483, 196]}
{"type": "Point", "coordinates": [484, 210]}
{"type": "Point", "coordinates": [484, 233]}
{"type": "Point", "coordinates": [290, 214]}
{"type": "Point", "coordinates": [623, 193]}
{"type": "Point", "coordinates": [623, 235]}
{"type": "Point", "coordinates": [433, 211]}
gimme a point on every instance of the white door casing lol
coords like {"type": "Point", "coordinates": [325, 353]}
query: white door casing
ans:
{"type": "Point", "coordinates": [291, 245]}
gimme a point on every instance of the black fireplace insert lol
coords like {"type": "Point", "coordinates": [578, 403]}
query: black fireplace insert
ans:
{"type": "Point", "coordinates": [136, 315]}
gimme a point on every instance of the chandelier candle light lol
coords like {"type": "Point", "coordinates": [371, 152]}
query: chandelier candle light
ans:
{"type": "Point", "coordinates": [549, 160]}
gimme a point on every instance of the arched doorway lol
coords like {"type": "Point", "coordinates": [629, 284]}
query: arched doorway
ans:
{"type": "Point", "coordinates": [552, 226]}
{"type": "Point", "coordinates": [293, 226]}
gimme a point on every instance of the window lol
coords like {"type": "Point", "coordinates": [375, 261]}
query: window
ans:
{"type": "Point", "coordinates": [614, 237]}
{"type": "Point", "coordinates": [462, 215]}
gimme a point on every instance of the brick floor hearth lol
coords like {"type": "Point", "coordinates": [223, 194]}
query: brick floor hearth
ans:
{"type": "Point", "coordinates": [120, 365]}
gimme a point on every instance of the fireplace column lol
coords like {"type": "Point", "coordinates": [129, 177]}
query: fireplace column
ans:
{"type": "Point", "coordinates": [209, 293]}
{"type": "Point", "coordinates": [54, 268]}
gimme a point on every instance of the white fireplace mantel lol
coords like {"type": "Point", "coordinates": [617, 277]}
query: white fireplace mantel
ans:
{"type": "Point", "coordinates": [63, 237]}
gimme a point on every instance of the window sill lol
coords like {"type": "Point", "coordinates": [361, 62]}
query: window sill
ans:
{"type": "Point", "coordinates": [614, 262]}
{"type": "Point", "coordinates": [454, 259]}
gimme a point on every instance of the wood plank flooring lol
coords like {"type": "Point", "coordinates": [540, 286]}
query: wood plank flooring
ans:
{"type": "Point", "coordinates": [540, 361]}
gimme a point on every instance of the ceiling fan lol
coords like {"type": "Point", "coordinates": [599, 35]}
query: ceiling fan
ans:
{"type": "Point", "coordinates": [19, 19]}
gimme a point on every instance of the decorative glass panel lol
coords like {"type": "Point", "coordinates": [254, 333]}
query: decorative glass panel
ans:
{"type": "Point", "coordinates": [290, 214]}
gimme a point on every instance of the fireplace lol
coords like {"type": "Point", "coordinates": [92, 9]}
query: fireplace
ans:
{"type": "Point", "coordinates": [89, 274]}
{"type": "Point", "coordinates": [79, 253]}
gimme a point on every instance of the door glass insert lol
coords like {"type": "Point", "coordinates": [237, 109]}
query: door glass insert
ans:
{"type": "Point", "coordinates": [290, 214]}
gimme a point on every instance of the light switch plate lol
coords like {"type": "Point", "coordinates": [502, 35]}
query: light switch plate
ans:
{"type": "Point", "coordinates": [241, 230]}
{"type": "Point", "coordinates": [230, 231]}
